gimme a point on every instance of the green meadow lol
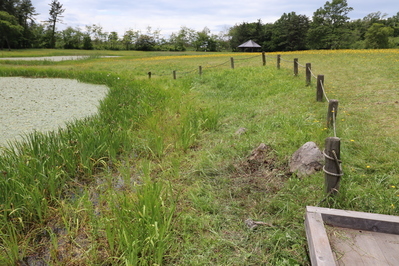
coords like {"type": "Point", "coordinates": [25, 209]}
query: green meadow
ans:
{"type": "Point", "coordinates": [159, 176]}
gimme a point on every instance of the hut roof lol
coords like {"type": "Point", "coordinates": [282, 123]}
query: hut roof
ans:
{"type": "Point", "coordinates": [249, 44]}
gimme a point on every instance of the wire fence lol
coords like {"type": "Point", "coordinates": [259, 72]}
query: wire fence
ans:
{"type": "Point", "coordinates": [332, 168]}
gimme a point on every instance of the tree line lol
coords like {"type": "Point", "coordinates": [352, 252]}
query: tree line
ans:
{"type": "Point", "coordinates": [329, 28]}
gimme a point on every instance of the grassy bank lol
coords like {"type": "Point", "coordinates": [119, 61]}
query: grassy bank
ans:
{"type": "Point", "coordinates": [160, 176]}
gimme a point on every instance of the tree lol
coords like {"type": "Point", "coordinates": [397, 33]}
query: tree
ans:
{"type": "Point", "coordinates": [97, 34]}
{"type": "Point", "coordinates": [72, 38]}
{"type": "Point", "coordinates": [375, 17]}
{"type": "Point", "coordinates": [10, 29]}
{"type": "Point", "coordinates": [145, 43]}
{"type": "Point", "coordinates": [289, 32]}
{"type": "Point", "coordinates": [55, 12]}
{"type": "Point", "coordinates": [247, 31]}
{"type": "Point", "coordinates": [204, 41]}
{"type": "Point", "coordinates": [113, 40]}
{"type": "Point", "coordinates": [329, 27]}
{"type": "Point", "coordinates": [394, 23]}
{"type": "Point", "coordinates": [224, 39]}
{"type": "Point", "coordinates": [25, 13]}
{"type": "Point", "coordinates": [129, 38]}
{"type": "Point", "coordinates": [40, 36]}
{"type": "Point", "coordinates": [182, 39]}
{"type": "Point", "coordinates": [155, 35]}
{"type": "Point", "coordinates": [9, 6]}
{"type": "Point", "coordinates": [87, 44]}
{"type": "Point", "coordinates": [377, 36]}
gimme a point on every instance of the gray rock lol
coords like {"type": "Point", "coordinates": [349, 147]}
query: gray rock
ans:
{"type": "Point", "coordinates": [306, 160]}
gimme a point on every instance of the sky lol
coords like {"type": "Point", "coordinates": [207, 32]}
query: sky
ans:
{"type": "Point", "coordinates": [169, 16]}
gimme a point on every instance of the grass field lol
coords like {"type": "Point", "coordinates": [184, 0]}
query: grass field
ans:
{"type": "Point", "coordinates": [159, 175]}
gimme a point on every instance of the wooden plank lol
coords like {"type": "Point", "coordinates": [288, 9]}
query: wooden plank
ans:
{"type": "Point", "coordinates": [319, 246]}
{"type": "Point", "coordinates": [389, 245]}
{"type": "Point", "coordinates": [347, 251]}
{"type": "Point", "coordinates": [356, 238]}
{"type": "Point", "coordinates": [356, 247]}
{"type": "Point", "coordinates": [368, 249]}
{"type": "Point", "coordinates": [358, 220]}
{"type": "Point", "coordinates": [341, 245]}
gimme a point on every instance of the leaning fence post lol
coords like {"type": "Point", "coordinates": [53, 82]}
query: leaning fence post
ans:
{"type": "Point", "coordinates": [232, 62]}
{"type": "Point", "coordinates": [149, 74]}
{"type": "Point", "coordinates": [332, 112]}
{"type": "Point", "coordinates": [278, 61]}
{"type": "Point", "coordinates": [174, 74]}
{"type": "Point", "coordinates": [200, 70]}
{"type": "Point", "coordinates": [264, 58]}
{"type": "Point", "coordinates": [332, 168]}
{"type": "Point", "coordinates": [308, 73]}
{"type": "Point", "coordinates": [320, 85]}
{"type": "Point", "coordinates": [296, 66]}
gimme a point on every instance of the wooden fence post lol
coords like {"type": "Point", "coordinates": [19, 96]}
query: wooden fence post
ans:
{"type": "Point", "coordinates": [332, 168]}
{"type": "Point", "coordinates": [332, 112]}
{"type": "Point", "coordinates": [149, 75]}
{"type": "Point", "coordinates": [295, 66]}
{"type": "Point", "coordinates": [174, 74]}
{"type": "Point", "coordinates": [278, 61]}
{"type": "Point", "coordinates": [320, 85]}
{"type": "Point", "coordinates": [200, 70]}
{"type": "Point", "coordinates": [232, 62]}
{"type": "Point", "coordinates": [264, 58]}
{"type": "Point", "coordinates": [308, 73]}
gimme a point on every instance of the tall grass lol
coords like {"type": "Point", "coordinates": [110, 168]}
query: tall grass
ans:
{"type": "Point", "coordinates": [141, 224]}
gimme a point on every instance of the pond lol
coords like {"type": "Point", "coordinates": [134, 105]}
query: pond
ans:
{"type": "Point", "coordinates": [41, 104]}
{"type": "Point", "coordinates": [52, 58]}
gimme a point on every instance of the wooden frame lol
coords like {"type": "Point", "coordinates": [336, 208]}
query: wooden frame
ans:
{"type": "Point", "coordinates": [316, 218]}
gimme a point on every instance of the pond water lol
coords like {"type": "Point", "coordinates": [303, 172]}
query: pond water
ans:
{"type": "Point", "coordinates": [51, 58]}
{"type": "Point", "coordinates": [39, 104]}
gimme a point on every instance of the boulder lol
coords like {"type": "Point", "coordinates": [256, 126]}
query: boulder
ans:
{"type": "Point", "coordinates": [306, 160]}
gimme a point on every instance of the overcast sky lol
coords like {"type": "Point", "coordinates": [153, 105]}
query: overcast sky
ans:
{"type": "Point", "coordinates": [170, 15]}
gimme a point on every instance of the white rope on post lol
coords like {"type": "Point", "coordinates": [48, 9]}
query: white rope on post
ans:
{"type": "Point", "coordinates": [324, 92]}
{"type": "Point", "coordinates": [313, 74]}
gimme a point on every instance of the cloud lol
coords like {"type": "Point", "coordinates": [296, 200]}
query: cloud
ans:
{"type": "Point", "coordinates": [170, 15]}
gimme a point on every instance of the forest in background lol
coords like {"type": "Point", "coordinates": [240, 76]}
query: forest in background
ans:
{"type": "Point", "coordinates": [329, 28]}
